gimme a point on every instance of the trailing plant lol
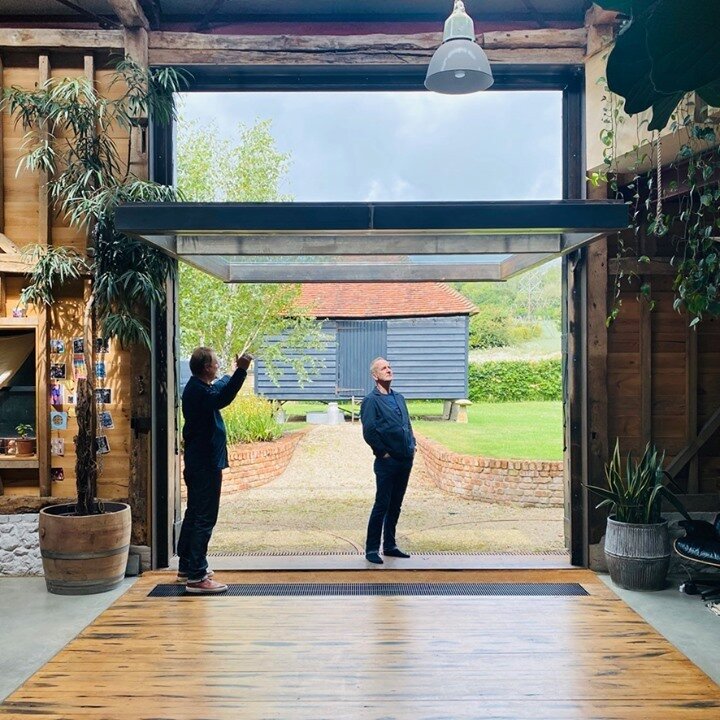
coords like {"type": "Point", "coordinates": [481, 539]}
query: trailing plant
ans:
{"type": "Point", "coordinates": [690, 222]}
{"type": "Point", "coordinates": [70, 135]}
{"type": "Point", "coordinates": [635, 495]}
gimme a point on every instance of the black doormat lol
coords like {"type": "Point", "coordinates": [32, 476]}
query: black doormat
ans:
{"type": "Point", "coordinates": [382, 589]}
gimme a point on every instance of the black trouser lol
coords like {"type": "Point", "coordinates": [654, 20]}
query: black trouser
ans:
{"type": "Point", "coordinates": [391, 479]}
{"type": "Point", "coordinates": [203, 504]}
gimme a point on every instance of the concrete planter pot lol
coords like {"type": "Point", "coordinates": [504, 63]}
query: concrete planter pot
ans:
{"type": "Point", "coordinates": [638, 556]}
{"type": "Point", "coordinates": [84, 554]}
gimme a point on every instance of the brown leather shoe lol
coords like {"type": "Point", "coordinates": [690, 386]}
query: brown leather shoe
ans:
{"type": "Point", "coordinates": [206, 587]}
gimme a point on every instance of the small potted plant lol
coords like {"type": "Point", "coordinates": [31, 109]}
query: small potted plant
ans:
{"type": "Point", "coordinates": [637, 541]}
{"type": "Point", "coordinates": [25, 444]}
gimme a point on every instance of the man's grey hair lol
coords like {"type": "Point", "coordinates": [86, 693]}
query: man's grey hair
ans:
{"type": "Point", "coordinates": [376, 362]}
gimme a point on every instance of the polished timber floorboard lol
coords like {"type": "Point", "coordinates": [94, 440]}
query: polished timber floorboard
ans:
{"type": "Point", "coordinates": [397, 657]}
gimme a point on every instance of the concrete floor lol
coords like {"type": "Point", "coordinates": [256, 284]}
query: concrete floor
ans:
{"type": "Point", "coordinates": [36, 625]}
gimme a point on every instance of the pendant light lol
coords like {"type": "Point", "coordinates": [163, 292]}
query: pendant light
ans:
{"type": "Point", "coordinates": [459, 66]}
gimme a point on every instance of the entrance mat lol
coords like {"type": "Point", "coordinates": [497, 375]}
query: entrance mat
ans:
{"type": "Point", "coordinates": [382, 589]}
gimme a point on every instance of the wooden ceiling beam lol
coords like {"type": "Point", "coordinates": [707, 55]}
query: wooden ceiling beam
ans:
{"type": "Point", "coordinates": [130, 13]}
{"type": "Point", "coordinates": [559, 42]}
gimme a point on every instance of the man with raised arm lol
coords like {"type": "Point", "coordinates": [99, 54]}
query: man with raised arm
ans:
{"type": "Point", "coordinates": [205, 459]}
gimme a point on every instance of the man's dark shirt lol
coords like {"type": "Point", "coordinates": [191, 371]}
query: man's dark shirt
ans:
{"type": "Point", "coordinates": [386, 425]}
{"type": "Point", "coordinates": [204, 431]}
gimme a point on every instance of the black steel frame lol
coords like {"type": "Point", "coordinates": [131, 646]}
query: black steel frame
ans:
{"type": "Point", "coordinates": [566, 78]}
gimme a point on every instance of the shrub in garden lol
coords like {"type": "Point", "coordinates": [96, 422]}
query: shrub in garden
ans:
{"type": "Point", "coordinates": [515, 381]}
{"type": "Point", "coordinates": [489, 328]}
{"type": "Point", "coordinates": [249, 418]}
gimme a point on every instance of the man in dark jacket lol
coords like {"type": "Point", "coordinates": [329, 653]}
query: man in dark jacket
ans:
{"type": "Point", "coordinates": [205, 458]}
{"type": "Point", "coordinates": [387, 430]}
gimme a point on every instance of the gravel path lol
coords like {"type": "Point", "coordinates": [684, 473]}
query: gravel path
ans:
{"type": "Point", "coordinates": [322, 501]}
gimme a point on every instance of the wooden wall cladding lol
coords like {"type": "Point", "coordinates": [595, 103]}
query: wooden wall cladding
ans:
{"type": "Point", "coordinates": [667, 393]}
{"type": "Point", "coordinates": [22, 204]}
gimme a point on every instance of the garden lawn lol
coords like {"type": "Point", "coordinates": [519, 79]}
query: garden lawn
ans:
{"type": "Point", "coordinates": [523, 431]}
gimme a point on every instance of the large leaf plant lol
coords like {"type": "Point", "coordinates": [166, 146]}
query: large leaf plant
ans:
{"type": "Point", "coordinates": [71, 135]}
{"type": "Point", "coordinates": [635, 492]}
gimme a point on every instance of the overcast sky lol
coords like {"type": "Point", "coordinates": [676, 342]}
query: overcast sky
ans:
{"type": "Point", "coordinates": [385, 146]}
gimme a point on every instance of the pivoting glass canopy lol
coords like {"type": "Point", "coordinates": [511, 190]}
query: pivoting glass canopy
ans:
{"type": "Point", "coordinates": [370, 242]}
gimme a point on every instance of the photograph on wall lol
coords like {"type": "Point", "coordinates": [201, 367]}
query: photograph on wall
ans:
{"type": "Point", "coordinates": [57, 346]}
{"type": "Point", "coordinates": [106, 420]}
{"type": "Point", "coordinates": [58, 420]}
{"type": "Point", "coordinates": [103, 395]}
{"type": "Point", "coordinates": [57, 371]}
{"type": "Point", "coordinates": [100, 370]}
{"type": "Point", "coordinates": [57, 446]}
{"type": "Point", "coordinates": [56, 393]}
{"type": "Point", "coordinates": [78, 346]}
{"type": "Point", "coordinates": [102, 345]}
{"type": "Point", "coordinates": [79, 367]}
{"type": "Point", "coordinates": [102, 445]}
{"type": "Point", "coordinates": [57, 474]}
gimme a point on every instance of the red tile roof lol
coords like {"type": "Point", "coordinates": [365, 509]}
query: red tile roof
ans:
{"type": "Point", "coordinates": [374, 300]}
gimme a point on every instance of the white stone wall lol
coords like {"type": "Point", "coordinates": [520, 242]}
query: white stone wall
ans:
{"type": "Point", "coordinates": [20, 545]}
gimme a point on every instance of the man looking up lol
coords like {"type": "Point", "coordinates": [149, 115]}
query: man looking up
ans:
{"type": "Point", "coordinates": [387, 430]}
{"type": "Point", "coordinates": [205, 458]}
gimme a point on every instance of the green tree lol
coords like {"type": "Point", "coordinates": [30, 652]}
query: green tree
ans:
{"type": "Point", "coordinates": [265, 319]}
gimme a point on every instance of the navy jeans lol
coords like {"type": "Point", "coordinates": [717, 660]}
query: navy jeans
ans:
{"type": "Point", "coordinates": [203, 504]}
{"type": "Point", "coordinates": [391, 479]}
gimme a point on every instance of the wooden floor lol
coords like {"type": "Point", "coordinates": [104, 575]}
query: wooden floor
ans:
{"type": "Point", "coordinates": [396, 657]}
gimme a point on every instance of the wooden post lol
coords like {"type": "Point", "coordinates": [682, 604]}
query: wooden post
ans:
{"type": "Point", "coordinates": [691, 382]}
{"type": "Point", "coordinates": [645, 331]}
{"type": "Point", "coordinates": [139, 487]}
{"type": "Point", "coordinates": [42, 348]}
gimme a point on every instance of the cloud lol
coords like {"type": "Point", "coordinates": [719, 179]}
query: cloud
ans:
{"type": "Point", "coordinates": [356, 146]}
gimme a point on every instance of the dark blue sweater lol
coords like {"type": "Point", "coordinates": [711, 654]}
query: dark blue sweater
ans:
{"type": "Point", "coordinates": [384, 429]}
{"type": "Point", "coordinates": [204, 431]}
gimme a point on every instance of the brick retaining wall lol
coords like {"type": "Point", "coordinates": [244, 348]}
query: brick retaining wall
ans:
{"type": "Point", "coordinates": [530, 483]}
{"type": "Point", "coordinates": [255, 464]}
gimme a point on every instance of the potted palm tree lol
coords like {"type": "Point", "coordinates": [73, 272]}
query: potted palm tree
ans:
{"type": "Point", "coordinates": [637, 542]}
{"type": "Point", "coordinates": [70, 135]}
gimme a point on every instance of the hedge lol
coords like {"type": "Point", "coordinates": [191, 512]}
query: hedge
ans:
{"type": "Point", "coordinates": [515, 381]}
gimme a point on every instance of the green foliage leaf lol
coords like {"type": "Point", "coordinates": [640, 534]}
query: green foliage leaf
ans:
{"type": "Point", "coordinates": [683, 42]}
{"type": "Point", "coordinates": [710, 93]}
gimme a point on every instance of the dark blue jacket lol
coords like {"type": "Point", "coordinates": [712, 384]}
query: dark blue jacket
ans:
{"type": "Point", "coordinates": [204, 431]}
{"type": "Point", "coordinates": [383, 429]}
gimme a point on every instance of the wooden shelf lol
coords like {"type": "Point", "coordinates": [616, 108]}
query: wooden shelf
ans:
{"type": "Point", "coordinates": [21, 322]}
{"type": "Point", "coordinates": [19, 462]}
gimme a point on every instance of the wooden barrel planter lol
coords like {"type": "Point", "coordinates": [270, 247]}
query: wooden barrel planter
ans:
{"type": "Point", "coordinates": [84, 554]}
{"type": "Point", "coordinates": [638, 556]}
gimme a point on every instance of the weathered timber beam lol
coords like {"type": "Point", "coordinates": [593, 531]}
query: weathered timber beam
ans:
{"type": "Point", "coordinates": [130, 13]}
{"type": "Point", "coordinates": [573, 38]}
{"type": "Point", "coordinates": [47, 38]}
{"type": "Point", "coordinates": [376, 56]}
{"type": "Point", "coordinates": [692, 449]}
{"type": "Point", "coordinates": [7, 245]}
{"type": "Point", "coordinates": [423, 44]}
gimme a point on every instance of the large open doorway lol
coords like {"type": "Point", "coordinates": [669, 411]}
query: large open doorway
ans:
{"type": "Point", "coordinates": [574, 231]}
